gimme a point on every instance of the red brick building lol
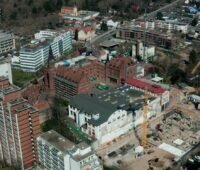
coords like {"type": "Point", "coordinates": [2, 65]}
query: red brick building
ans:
{"type": "Point", "coordinates": [68, 82]}
{"type": "Point", "coordinates": [19, 127]}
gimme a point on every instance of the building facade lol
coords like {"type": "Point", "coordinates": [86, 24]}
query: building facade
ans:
{"type": "Point", "coordinates": [107, 116]}
{"type": "Point", "coordinates": [6, 71]}
{"type": "Point", "coordinates": [34, 56]}
{"type": "Point", "coordinates": [60, 42]}
{"type": "Point", "coordinates": [70, 81]}
{"type": "Point", "coordinates": [7, 42]}
{"type": "Point", "coordinates": [145, 52]}
{"type": "Point", "coordinates": [152, 37]}
{"type": "Point", "coordinates": [58, 153]}
{"type": "Point", "coordinates": [19, 127]}
{"type": "Point", "coordinates": [163, 24]}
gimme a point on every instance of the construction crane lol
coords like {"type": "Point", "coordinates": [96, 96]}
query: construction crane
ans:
{"type": "Point", "coordinates": [145, 123]}
{"type": "Point", "coordinates": [196, 67]}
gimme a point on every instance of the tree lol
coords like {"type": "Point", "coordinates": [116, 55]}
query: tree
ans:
{"type": "Point", "coordinates": [48, 6]}
{"type": "Point", "coordinates": [176, 74]}
{"type": "Point", "coordinates": [50, 25]}
{"type": "Point", "coordinates": [104, 26]}
{"type": "Point", "coordinates": [59, 4]}
{"type": "Point", "coordinates": [194, 22]}
{"type": "Point", "coordinates": [51, 56]}
{"type": "Point", "coordinates": [30, 2]}
{"type": "Point", "coordinates": [159, 16]}
{"type": "Point", "coordinates": [193, 56]}
{"type": "Point", "coordinates": [76, 35]}
{"type": "Point", "coordinates": [139, 58]}
{"type": "Point", "coordinates": [34, 10]}
{"type": "Point", "coordinates": [13, 16]}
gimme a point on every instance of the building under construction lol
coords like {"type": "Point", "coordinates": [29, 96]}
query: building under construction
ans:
{"type": "Point", "coordinates": [152, 37]}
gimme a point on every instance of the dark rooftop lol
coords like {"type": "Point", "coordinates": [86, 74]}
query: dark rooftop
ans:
{"type": "Point", "coordinates": [107, 103]}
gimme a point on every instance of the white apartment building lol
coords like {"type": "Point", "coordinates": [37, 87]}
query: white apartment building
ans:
{"type": "Point", "coordinates": [58, 153]}
{"type": "Point", "coordinates": [7, 42]}
{"type": "Point", "coordinates": [61, 42]}
{"type": "Point", "coordinates": [163, 24]}
{"type": "Point", "coordinates": [112, 114]}
{"type": "Point", "coordinates": [6, 71]}
{"type": "Point", "coordinates": [34, 56]}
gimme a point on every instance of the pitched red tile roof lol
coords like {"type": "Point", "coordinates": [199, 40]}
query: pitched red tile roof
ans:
{"type": "Point", "coordinates": [153, 88]}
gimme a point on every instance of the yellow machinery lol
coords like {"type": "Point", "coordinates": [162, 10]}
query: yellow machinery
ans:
{"type": "Point", "coordinates": [196, 67]}
{"type": "Point", "coordinates": [145, 123]}
{"type": "Point", "coordinates": [193, 71]}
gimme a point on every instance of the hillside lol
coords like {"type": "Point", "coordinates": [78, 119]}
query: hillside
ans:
{"type": "Point", "coordinates": [26, 16]}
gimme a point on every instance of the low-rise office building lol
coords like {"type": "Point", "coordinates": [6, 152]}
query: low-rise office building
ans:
{"type": "Point", "coordinates": [60, 41]}
{"type": "Point", "coordinates": [7, 42]}
{"type": "Point", "coordinates": [58, 153]}
{"type": "Point", "coordinates": [34, 56]}
{"type": "Point", "coordinates": [37, 54]}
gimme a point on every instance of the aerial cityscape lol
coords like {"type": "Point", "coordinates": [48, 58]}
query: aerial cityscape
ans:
{"type": "Point", "coordinates": [99, 84]}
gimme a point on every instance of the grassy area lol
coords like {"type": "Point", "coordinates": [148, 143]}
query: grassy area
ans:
{"type": "Point", "coordinates": [76, 130]}
{"type": "Point", "coordinates": [20, 78]}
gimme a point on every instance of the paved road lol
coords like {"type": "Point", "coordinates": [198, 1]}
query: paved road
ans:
{"type": "Point", "coordinates": [101, 37]}
{"type": "Point", "coordinates": [152, 14]}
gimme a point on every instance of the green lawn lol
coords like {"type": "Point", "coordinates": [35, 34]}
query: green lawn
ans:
{"type": "Point", "coordinates": [20, 78]}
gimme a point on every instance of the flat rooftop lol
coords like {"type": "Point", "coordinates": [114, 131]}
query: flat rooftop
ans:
{"type": "Point", "coordinates": [130, 26]}
{"type": "Point", "coordinates": [58, 141]}
{"type": "Point", "coordinates": [82, 14]}
{"type": "Point", "coordinates": [32, 47]}
{"type": "Point", "coordinates": [110, 43]}
{"type": "Point", "coordinates": [10, 89]}
{"type": "Point", "coordinates": [5, 35]}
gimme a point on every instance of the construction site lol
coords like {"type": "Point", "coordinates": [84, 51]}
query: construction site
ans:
{"type": "Point", "coordinates": [160, 142]}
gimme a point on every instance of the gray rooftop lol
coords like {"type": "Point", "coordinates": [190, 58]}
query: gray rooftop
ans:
{"type": "Point", "coordinates": [57, 140]}
{"type": "Point", "coordinates": [33, 47]}
{"type": "Point", "coordinates": [64, 145]}
{"type": "Point", "coordinates": [10, 89]}
{"type": "Point", "coordinates": [107, 103]}
{"type": "Point", "coordinates": [5, 35]}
